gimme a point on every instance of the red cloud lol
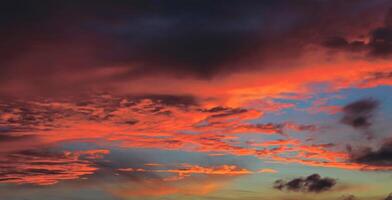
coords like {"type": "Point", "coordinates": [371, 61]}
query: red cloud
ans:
{"type": "Point", "coordinates": [46, 168]}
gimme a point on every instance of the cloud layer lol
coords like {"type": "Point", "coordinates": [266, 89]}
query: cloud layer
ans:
{"type": "Point", "coordinates": [193, 39]}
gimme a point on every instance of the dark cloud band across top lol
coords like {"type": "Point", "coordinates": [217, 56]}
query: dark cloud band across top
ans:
{"type": "Point", "coordinates": [51, 41]}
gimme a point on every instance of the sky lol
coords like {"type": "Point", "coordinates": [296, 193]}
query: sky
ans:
{"type": "Point", "coordinates": [196, 100]}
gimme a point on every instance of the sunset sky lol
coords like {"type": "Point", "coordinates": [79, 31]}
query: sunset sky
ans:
{"type": "Point", "coordinates": [196, 100]}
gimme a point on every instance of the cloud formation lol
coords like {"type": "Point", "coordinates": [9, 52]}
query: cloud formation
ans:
{"type": "Point", "coordinates": [40, 167]}
{"type": "Point", "coordinates": [313, 183]}
{"type": "Point", "coordinates": [378, 44]}
{"type": "Point", "coordinates": [164, 122]}
{"type": "Point", "coordinates": [359, 115]}
{"type": "Point", "coordinates": [378, 157]}
{"type": "Point", "coordinates": [192, 39]}
{"type": "Point", "coordinates": [186, 170]}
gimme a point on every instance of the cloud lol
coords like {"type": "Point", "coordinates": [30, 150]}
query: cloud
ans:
{"type": "Point", "coordinates": [164, 122]}
{"type": "Point", "coordinates": [169, 179]}
{"type": "Point", "coordinates": [313, 183]}
{"type": "Point", "coordinates": [191, 39]}
{"type": "Point", "coordinates": [341, 43]}
{"type": "Point", "coordinates": [389, 197]}
{"type": "Point", "coordinates": [380, 157]}
{"type": "Point", "coordinates": [131, 41]}
{"type": "Point", "coordinates": [379, 44]}
{"type": "Point", "coordinates": [359, 115]}
{"type": "Point", "coordinates": [42, 167]}
{"type": "Point", "coordinates": [272, 128]}
{"type": "Point", "coordinates": [380, 75]}
{"type": "Point", "coordinates": [186, 170]}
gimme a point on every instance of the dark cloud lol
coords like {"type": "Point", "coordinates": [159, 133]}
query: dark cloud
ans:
{"type": "Point", "coordinates": [199, 39]}
{"type": "Point", "coordinates": [190, 37]}
{"type": "Point", "coordinates": [379, 157]}
{"type": "Point", "coordinates": [229, 112]}
{"type": "Point", "coordinates": [215, 109]}
{"type": "Point", "coordinates": [313, 183]}
{"type": "Point", "coordinates": [380, 42]}
{"type": "Point", "coordinates": [379, 45]}
{"type": "Point", "coordinates": [359, 114]}
{"type": "Point", "coordinates": [279, 128]}
{"type": "Point", "coordinates": [341, 43]}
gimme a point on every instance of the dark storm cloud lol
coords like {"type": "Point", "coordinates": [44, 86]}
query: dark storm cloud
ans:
{"type": "Point", "coordinates": [379, 45]}
{"type": "Point", "coordinates": [50, 41]}
{"type": "Point", "coordinates": [359, 114]}
{"type": "Point", "coordinates": [313, 183]}
{"type": "Point", "coordinates": [189, 37]}
{"type": "Point", "coordinates": [379, 157]}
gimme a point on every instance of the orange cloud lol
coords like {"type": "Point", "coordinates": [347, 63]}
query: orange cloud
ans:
{"type": "Point", "coordinates": [211, 125]}
{"type": "Point", "coordinates": [149, 124]}
{"type": "Point", "coordinates": [188, 169]}
{"type": "Point", "coordinates": [189, 180]}
{"type": "Point", "coordinates": [267, 170]}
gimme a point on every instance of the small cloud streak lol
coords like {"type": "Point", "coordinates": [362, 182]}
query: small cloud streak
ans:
{"type": "Point", "coordinates": [268, 170]}
{"type": "Point", "coordinates": [186, 170]}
